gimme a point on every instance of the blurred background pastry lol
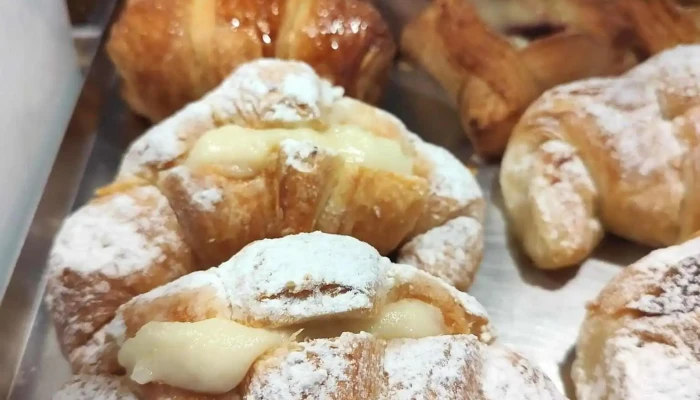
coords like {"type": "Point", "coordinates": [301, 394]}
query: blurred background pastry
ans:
{"type": "Point", "coordinates": [169, 53]}
{"type": "Point", "coordinates": [496, 57]}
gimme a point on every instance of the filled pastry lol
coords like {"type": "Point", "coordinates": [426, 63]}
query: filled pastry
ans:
{"type": "Point", "coordinates": [275, 150]}
{"type": "Point", "coordinates": [496, 57]}
{"type": "Point", "coordinates": [616, 154]}
{"type": "Point", "coordinates": [171, 52]}
{"type": "Point", "coordinates": [308, 316]}
{"type": "Point", "coordinates": [640, 337]}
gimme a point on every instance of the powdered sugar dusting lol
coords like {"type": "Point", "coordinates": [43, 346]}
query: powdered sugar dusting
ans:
{"type": "Point", "coordinates": [451, 251]}
{"type": "Point", "coordinates": [441, 367]}
{"type": "Point", "coordinates": [274, 91]}
{"type": "Point", "coordinates": [299, 154]}
{"type": "Point", "coordinates": [203, 194]}
{"type": "Point", "coordinates": [110, 236]}
{"type": "Point", "coordinates": [638, 114]}
{"type": "Point", "coordinates": [679, 290]}
{"type": "Point", "coordinates": [93, 387]}
{"type": "Point", "coordinates": [449, 178]}
{"type": "Point", "coordinates": [289, 279]}
{"type": "Point", "coordinates": [315, 370]}
{"type": "Point", "coordinates": [191, 282]}
{"type": "Point", "coordinates": [167, 141]}
{"type": "Point", "coordinates": [654, 351]}
{"type": "Point", "coordinates": [508, 376]}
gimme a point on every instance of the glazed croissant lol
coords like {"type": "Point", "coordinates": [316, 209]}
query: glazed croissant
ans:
{"type": "Point", "coordinates": [615, 154]}
{"type": "Point", "coordinates": [496, 57]}
{"type": "Point", "coordinates": [308, 316]}
{"type": "Point", "coordinates": [274, 150]}
{"type": "Point", "coordinates": [171, 52]}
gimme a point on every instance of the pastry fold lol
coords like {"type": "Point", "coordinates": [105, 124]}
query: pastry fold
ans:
{"type": "Point", "coordinates": [303, 282]}
{"type": "Point", "coordinates": [165, 216]}
{"type": "Point", "coordinates": [496, 58]}
{"type": "Point", "coordinates": [639, 338]}
{"type": "Point", "coordinates": [616, 155]}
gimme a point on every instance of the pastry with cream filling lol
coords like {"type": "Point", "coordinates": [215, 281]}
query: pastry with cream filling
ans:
{"type": "Point", "coordinates": [312, 316]}
{"type": "Point", "coordinates": [275, 150]}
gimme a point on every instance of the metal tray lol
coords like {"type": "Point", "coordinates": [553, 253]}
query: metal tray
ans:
{"type": "Point", "coordinates": [536, 312]}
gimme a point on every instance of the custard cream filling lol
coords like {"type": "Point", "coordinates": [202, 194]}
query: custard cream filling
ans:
{"type": "Point", "coordinates": [246, 150]}
{"type": "Point", "coordinates": [213, 356]}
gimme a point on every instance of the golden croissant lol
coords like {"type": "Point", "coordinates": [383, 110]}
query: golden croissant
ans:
{"type": "Point", "coordinates": [275, 150]}
{"type": "Point", "coordinates": [171, 52]}
{"type": "Point", "coordinates": [617, 155]}
{"type": "Point", "coordinates": [306, 316]}
{"type": "Point", "coordinates": [639, 339]}
{"type": "Point", "coordinates": [496, 57]}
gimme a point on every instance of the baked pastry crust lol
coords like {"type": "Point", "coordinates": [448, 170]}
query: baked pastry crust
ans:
{"type": "Point", "coordinates": [492, 76]}
{"type": "Point", "coordinates": [317, 277]}
{"type": "Point", "coordinates": [663, 24]}
{"type": "Point", "coordinates": [163, 217]}
{"type": "Point", "coordinates": [639, 339]}
{"type": "Point", "coordinates": [615, 154]}
{"type": "Point", "coordinates": [171, 52]}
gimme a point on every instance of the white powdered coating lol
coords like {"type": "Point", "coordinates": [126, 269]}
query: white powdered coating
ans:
{"type": "Point", "coordinates": [451, 251]}
{"type": "Point", "coordinates": [204, 194]}
{"type": "Point", "coordinates": [315, 370]}
{"type": "Point", "coordinates": [679, 291]}
{"type": "Point", "coordinates": [109, 237]}
{"type": "Point", "coordinates": [94, 387]}
{"type": "Point", "coordinates": [669, 279]}
{"type": "Point", "coordinates": [441, 367]}
{"type": "Point", "coordinates": [450, 178]}
{"type": "Point", "coordinates": [289, 279]}
{"type": "Point", "coordinates": [641, 369]}
{"type": "Point", "coordinates": [166, 141]}
{"type": "Point", "coordinates": [191, 282]}
{"type": "Point", "coordinates": [207, 199]}
{"type": "Point", "coordinates": [508, 376]}
{"type": "Point", "coordinates": [274, 91]}
{"type": "Point", "coordinates": [300, 152]}
{"type": "Point", "coordinates": [653, 353]}
{"type": "Point", "coordinates": [633, 111]}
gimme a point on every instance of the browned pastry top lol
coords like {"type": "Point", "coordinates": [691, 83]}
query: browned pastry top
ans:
{"type": "Point", "coordinates": [171, 52]}
{"type": "Point", "coordinates": [496, 57]}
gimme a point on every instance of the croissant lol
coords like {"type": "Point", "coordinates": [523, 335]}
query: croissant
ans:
{"type": "Point", "coordinates": [307, 316]}
{"type": "Point", "coordinates": [172, 52]}
{"type": "Point", "coordinates": [615, 154]}
{"type": "Point", "coordinates": [662, 24]}
{"type": "Point", "coordinates": [496, 57]}
{"type": "Point", "coordinates": [275, 150]}
{"type": "Point", "coordinates": [639, 339]}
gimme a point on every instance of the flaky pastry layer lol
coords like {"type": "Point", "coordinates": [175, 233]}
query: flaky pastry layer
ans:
{"type": "Point", "coordinates": [320, 278]}
{"type": "Point", "coordinates": [612, 154]}
{"type": "Point", "coordinates": [639, 339]}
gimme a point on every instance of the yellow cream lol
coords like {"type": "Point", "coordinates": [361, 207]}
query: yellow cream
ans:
{"type": "Point", "coordinates": [407, 318]}
{"type": "Point", "coordinates": [246, 150]}
{"type": "Point", "coordinates": [213, 356]}
{"type": "Point", "coordinates": [210, 356]}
